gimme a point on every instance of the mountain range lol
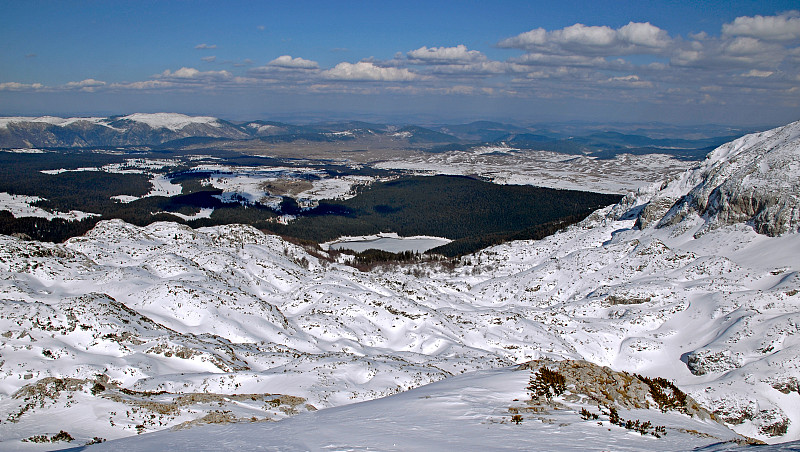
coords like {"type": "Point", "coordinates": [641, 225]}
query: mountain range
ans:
{"type": "Point", "coordinates": [173, 130]}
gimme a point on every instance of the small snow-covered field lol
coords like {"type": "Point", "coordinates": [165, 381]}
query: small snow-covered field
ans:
{"type": "Point", "coordinates": [387, 242]}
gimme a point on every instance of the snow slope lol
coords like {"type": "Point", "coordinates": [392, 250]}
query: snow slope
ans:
{"type": "Point", "coordinates": [467, 412]}
{"type": "Point", "coordinates": [171, 121]}
{"type": "Point", "coordinates": [157, 315]}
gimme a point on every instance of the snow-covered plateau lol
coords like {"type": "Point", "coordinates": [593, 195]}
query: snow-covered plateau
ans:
{"type": "Point", "coordinates": [130, 330]}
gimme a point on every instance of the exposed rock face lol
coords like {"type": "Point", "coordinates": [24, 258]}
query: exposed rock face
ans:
{"type": "Point", "coordinates": [611, 388]}
{"type": "Point", "coordinates": [755, 180]}
{"type": "Point", "coordinates": [701, 362]}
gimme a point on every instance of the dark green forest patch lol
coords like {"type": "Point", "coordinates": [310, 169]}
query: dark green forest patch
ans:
{"type": "Point", "coordinates": [473, 213]}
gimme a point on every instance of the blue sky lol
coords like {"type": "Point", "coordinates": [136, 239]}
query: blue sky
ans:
{"type": "Point", "coordinates": [732, 62]}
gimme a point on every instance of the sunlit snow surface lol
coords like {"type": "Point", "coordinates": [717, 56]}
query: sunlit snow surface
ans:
{"type": "Point", "coordinates": [229, 310]}
{"type": "Point", "coordinates": [21, 206]}
{"type": "Point", "coordinates": [546, 169]}
{"type": "Point", "coordinates": [464, 413]}
{"type": "Point", "coordinates": [172, 121]}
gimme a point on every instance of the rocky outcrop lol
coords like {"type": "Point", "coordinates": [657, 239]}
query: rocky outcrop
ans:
{"type": "Point", "coordinates": [755, 180]}
{"type": "Point", "coordinates": [606, 387]}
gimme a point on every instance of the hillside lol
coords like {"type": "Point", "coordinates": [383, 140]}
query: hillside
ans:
{"type": "Point", "coordinates": [135, 329]}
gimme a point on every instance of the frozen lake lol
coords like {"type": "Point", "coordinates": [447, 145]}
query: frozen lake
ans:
{"type": "Point", "coordinates": [391, 243]}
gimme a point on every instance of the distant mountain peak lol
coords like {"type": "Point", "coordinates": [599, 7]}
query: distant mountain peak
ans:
{"type": "Point", "coordinates": [171, 121]}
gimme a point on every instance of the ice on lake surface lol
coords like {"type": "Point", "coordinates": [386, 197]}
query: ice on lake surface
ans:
{"type": "Point", "coordinates": [391, 243]}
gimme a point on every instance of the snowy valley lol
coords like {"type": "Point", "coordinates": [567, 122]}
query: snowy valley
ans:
{"type": "Point", "coordinates": [129, 330]}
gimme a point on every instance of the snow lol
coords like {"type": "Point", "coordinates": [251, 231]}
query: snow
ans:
{"type": "Point", "coordinates": [229, 310]}
{"type": "Point", "coordinates": [335, 187]}
{"type": "Point", "coordinates": [53, 120]}
{"type": "Point", "coordinates": [247, 183]}
{"type": "Point", "coordinates": [20, 206]}
{"type": "Point", "coordinates": [171, 121]}
{"type": "Point", "coordinates": [203, 213]}
{"type": "Point", "coordinates": [62, 170]}
{"type": "Point", "coordinates": [504, 165]}
{"type": "Point", "coordinates": [163, 186]}
{"type": "Point", "coordinates": [468, 412]}
{"type": "Point", "coordinates": [387, 242]}
{"type": "Point", "coordinates": [26, 151]}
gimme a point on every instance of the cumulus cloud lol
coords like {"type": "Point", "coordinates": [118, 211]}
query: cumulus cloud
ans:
{"type": "Point", "coordinates": [629, 81]}
{"type": "Point", "coordinates": [729, 53]}
{"type": "Point", "coordinates": [287, 68]}
{"type": "Point", "coordinates": [634, 38]}
{"type": "Point", "coordinates": [209, 59]}
{"type": "Point", "coordinates": [205, 46]}
{"type": "Point", "coordinates": [287, 62]}
{"type": "Point", "coordinates": [784, 27]}
{"type": "Point", "coordinates": [87, 85]}
{"type": "Point", "coordinates": [367, 71]}
{"type": "Point", "coordinates": [190, 73]}
{"type": "Point", "coordinates": [445, 55]}
{"type": "Point", "coordinates": [759, 43]}
{"type": "Point", "coordinates": [15, 86]}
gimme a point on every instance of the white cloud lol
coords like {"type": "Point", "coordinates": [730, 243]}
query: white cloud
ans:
{"type": "Point", "coordinates": [757, 73]}
{"type": "Point", "coordinates": [527, 40]}
{"type": "Point", "coordinates": [209, 59]}
{"type": "Point", "coordinates": [190, 73]}
{"type": "Point", "coordinates": [579, 39]}
{"type": "Point", "coordinates": [643, 34]}
{"type": "Point", "coordinates": [730, 53]}
{"type": "Point", "coordinates": [445, 55]}
{"type": "Point", "coordinates": [783, 27]}
{"type": "Point", "coordinates": [582, 35]}
{"type": "Point", "coordinates": [366, 71]}
{"type": "Point", "coordinates": [630, 81]}
{"type": "Point", "coordinates": [287, 62]}
{"type": "Point", "coordinates": [15, 86]}
{"type": "Point", "coordinates": [205, 46]}
{"type": "Point", "coordinates": [89, 84]}
{"type": "Point", "coordinates": [745, 46]}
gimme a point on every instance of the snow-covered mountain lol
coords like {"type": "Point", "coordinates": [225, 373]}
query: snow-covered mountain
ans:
{"type": "Point", "coordinates": [134, 329]}
{"type": "Point", "coordinates": [130, 130]}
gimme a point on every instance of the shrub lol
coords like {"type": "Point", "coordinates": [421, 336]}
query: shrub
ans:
{"type": "Point", "coordinates": [547, 383]}
{"type": "Point", "coordinates": [61, 436]}
{"type": "Point", "coordinates": [586, 415]}
{"type": "Point", "coordinates": [666, 395]}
